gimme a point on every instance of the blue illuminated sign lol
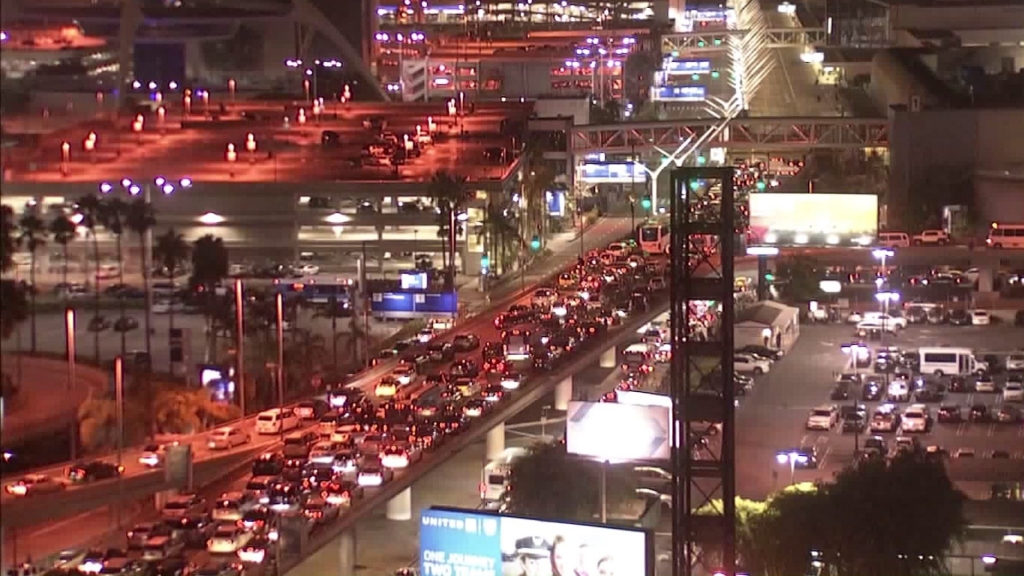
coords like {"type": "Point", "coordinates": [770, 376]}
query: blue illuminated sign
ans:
{"type": "Point", "coordinates": [555, 200]}
{"type": "Point", "coordinates": [412, 304]}
{"type": "Point", "coordinates": [470, 543]}
{"type": "Point", "coordinates": [679, 93]}
{"type": "Point", "coordinates": [687, 66]}
{"type": "Point", "coordinates": [618, 173]}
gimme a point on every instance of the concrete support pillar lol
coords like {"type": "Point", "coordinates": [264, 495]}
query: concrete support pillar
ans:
{"type": "Point", "coordinates": [400, 507]}
{"type": "Point", "coordinates": [347, 553]}
{"type": "Point", "coordinates": [608, 358]}
{"type": "Point", "coordinates": [161, 498]}
{"type": "Point", "coordinates": [495, 441]}
{"type": "Point", "coordinates": [563, 394]}
{"type": "Point", "coordinates": [985, 279]}
{"type": "Point", "coordinates": [762, 275]}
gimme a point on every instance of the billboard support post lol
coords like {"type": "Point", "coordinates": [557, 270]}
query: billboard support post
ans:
{"type": "Point", "coordinates": [346, 553]}
{"type": "Point", "coordinates": [701, 385]}
{"type": "Point", "coordinates": [762, 278]}
{"type": "Point", "coordinates": [400, 507]}
{"type": "Point", "coordinates": [495, 441]}
{"type": "Point", "coordinates": [563, 394]}
{"type": "Point", "coordinates": [608, 358]}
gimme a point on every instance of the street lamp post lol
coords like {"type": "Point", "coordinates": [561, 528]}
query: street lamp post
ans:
{"type": "Point", "coordinates": [119, 407]}
{"type": "Point", "coordinates": [69, 343]}
{"type": "Point", "coordinates": [279, 306]}
{"type": "Point", "coordinates": [231, 156]}
{"type": "Point", "coordinates": [240, 342]}
{"type": "Point", "coordinates": [855, 352]}
{"type": "Point", "coordinates": [65, 157]}
{"type": "Point", "coordinates": [250, 147]}
{"type": "Point", "coordinates": [790, 458]}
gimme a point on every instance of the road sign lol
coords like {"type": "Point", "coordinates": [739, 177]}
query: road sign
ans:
{"type": "Point", "coordinates": [616, 432]}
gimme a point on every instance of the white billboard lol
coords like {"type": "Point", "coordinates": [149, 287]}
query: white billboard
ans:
{"type": "Point", "coordinates": [615, 432]}
{"type": "Point", "coordinates": [812, 220]}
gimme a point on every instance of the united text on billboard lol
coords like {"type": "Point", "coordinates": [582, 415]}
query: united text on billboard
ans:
{"type": "Point", "coordinates": [785, 219]}
{"type": "Point", "coordinates": [455, 542]}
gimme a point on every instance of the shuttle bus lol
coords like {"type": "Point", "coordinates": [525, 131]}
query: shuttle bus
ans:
{"type": "Point", "coordinates": [1006, 236]}
{"type": "Point", "coordinates": [494, 479]}
{"type": "Point", "coordinates": [654, 239]}
{"type": "Point", "coordinates": [945, 361]}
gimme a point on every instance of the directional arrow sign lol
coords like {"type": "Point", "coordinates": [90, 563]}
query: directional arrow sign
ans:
{"type": "Point", "coordinates": [617, 432]}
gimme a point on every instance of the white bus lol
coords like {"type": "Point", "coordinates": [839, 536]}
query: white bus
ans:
{"type": "Point", "coordinates": [654, 239]}
{"type": "Point", "coordinates": [1005, 236]}
{"type": "Point", "coordinates": [944, 361]}
{"type": "Point", "coordinates": [495, 476]}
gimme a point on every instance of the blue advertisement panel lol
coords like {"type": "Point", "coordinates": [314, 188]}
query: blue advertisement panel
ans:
{"type": "Point", "coordinates": [472, 543]}
{"type": "Point", "coordinates": [678, 93]}
{"type": "Point", "coordinates": [556, 202]}
{"type": "Point", "coordinates": [618, 173]}
{"type": "Point", "coordinates": [673, 66]}
{"type": "Point", "coordinates": [412, 304]}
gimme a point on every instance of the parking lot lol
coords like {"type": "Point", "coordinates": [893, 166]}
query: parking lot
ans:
{"type": "Point", "coordinates": [772, 416]}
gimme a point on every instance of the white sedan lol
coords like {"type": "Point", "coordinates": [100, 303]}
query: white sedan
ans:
{"type": "Point", "coordinates": [307, 269]}
{"type": "Point", "coordinates": [167, 306]}
{"type": "Point", "coordinates": [751, 364]}
{"type": "Point", "coordinates": [228, 539]}
{"type": "Point", "coordinates": [980, 318]}
{"type": "Point", "coordinates": [1015, 362]}
{"type": "Point", "coordinates": [404, 373]}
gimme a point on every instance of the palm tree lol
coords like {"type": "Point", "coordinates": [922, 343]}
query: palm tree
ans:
{"type": "Point", "coordinates": [63, 231]}
{"type": "Point", "coordinates": [91, 208]}
{"type": "Point", "coordinates": [33, 237]}
{"type": "Point", "coordinates": [209, 269]}
{"type": "Point", "coordinates": [171, 251]}
{"type": "Point", "coordinates": [501, 235]}
{"type": "Point", "coordinates": [141, 220]}
{"type": "Point", "coordinates": [112, 216]}
{"type": "Point", "coordinates": [14, 309]}
{"type": "Point", "coordinates": [539, 179]}
{"type": "Point", "coordinates": [448, 192]}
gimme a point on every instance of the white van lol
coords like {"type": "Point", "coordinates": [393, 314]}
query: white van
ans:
{"type": "Point", "coordinates": [276, 420]}
{"type": "Point", "coordinates": [494, 479]}
{"type": "Point", "coordinates": [893, 239]}
{"type": "Point", "coordinates": [1006, 236]}
{"type": "Point", "coordinates": [894, 319]}
{"type": "Point", "coordinates": [943, 361]}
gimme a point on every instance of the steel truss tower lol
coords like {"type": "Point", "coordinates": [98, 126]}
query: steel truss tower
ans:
{"type": "Point", "coordinates": [703, 244]}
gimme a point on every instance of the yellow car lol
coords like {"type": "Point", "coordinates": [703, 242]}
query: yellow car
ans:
{"type": "Point", "coordinates": [386, 388]}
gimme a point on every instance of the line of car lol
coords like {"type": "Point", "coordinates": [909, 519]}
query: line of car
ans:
{"type": "Point", "coordinates": [336, 448]}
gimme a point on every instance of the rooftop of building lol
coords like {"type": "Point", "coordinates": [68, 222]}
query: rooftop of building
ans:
{"type": "Point", "coordinates": [196, 145]}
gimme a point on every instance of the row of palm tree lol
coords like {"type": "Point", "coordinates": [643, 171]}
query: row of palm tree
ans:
{"type": "Point", "coordinates": [504, 229]}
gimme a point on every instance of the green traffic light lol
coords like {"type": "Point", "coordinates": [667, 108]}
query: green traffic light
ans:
{"type": "Point", "coordinates": [718, 41]}
{"type": "Point", "coordinates": [769, 277]}
{"type": "Point", "coordinates": [535, 243]}
{"type": "Point", "coordinates": [761, 185]}
{"type": "Point", "coordinates": [701, 44]}
{"type": "Point", "coordinates": [485, 261]}
{"type": "Point", "coordinates": [646, 203]}
{"type": "Point", "coordinates": [695, 77]}
{"type": "Point", "coordinates": [701, 160]}
{"type": "Point", "coordinates": [715, 74]}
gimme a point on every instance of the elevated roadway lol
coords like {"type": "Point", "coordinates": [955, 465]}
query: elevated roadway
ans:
{"type": "Point", "coordinates": [139, 480]}
{"type": "Point", "coordinates": [916, 256]}
{"type": "Point", "coordinates": [786, 134]}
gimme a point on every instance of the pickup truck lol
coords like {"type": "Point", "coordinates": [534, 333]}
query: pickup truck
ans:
{"type": "Point", "coordinates": [931, 238]}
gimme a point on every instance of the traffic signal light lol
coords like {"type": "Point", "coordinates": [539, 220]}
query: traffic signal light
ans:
{"type": "Point", "coordinates": [535, 243]}
{"type": "Point", "coordinates": [718, 41]}
{"type": "Point", "coordinates": [701, 160]}
{"type": "Point", "coordinates": [485, 261]}
{"type": "Point", "coordinates": [695, 77]}
{"type": "Point", "coordinates": [715, 74]}
{"type": "Point", "coordinates": [645, 203]}
{"type": "Point", "coordinates": [761, 185]}
{"type": "Point", "coordinates": [701, 44]}
{"type": "Point", "coordinates": [769, 277]}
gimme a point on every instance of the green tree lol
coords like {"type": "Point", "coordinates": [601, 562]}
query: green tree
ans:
{"type": "Point", "coordinates": [799, 276]}
{"type": "Point", "coordinates": [63, 231]}
{"type": "Point", "coordinates": [90, 207]}
{"type": "Point", "coordinates": [209, 269]}
{"type": "Point", "coordinates": [32, 236]}
{"type": "Point", "coordinates": [8, 238]}
{"type": "Point", "coordinates": [113, 213]}
{"type": "Point", "coordinates": [539, 179]}
{"type": "Point", "coordinates": [780, 539]}
{"type": "Point", "coordinates": [448, 191]}
{"type": "Point", "coordinates": [501, 236]}
{"type": "Point", "coordinates": [140, 219]}
{"type": "Point", "coordinates": [550, 483]}
{"type": "Point", "coordinates": [171, 251]}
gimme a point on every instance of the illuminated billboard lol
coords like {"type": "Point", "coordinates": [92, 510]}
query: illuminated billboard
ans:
{"type": "Point", "coordinates": [595, 430]}
{"type": "Point", "coordinates": [813, 219]}
{"type": "Point", "coordinates": [612, 173]}
{"type": "Point", "coordinates": [678, 93]}
{"type": "Point", "coordinates": [673, 67]}
{"type": "Point", "coordinates": [455, 542]}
